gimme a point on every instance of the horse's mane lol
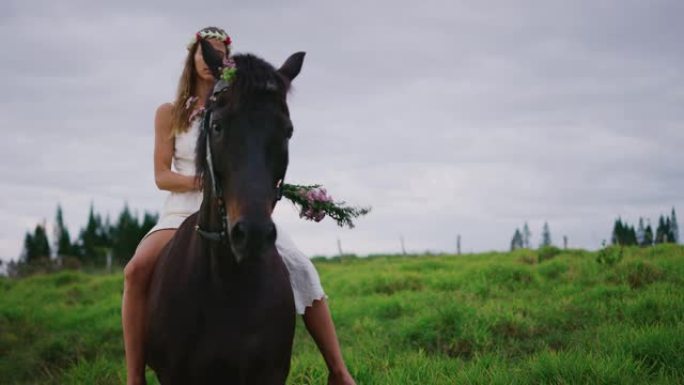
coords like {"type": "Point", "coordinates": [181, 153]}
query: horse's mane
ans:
{"type": "Point", "coordinates": [254, 76]}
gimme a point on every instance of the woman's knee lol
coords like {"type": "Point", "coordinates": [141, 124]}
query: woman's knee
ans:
{"type": "Point", "coordinates": [138, 270]}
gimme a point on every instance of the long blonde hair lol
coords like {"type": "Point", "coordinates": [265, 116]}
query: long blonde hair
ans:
{"type": "Point", "coordinates": [187, 87]}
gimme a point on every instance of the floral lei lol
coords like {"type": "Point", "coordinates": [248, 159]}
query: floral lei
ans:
{"type": "Point", "coordinates": [313, 200]}
{"type": "Point", "coordinates": [315, 204]}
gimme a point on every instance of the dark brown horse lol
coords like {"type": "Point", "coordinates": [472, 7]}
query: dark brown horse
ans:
{"type": "Point", "coordinates": [221, 308]}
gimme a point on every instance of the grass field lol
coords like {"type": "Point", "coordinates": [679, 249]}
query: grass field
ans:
{"type": "Point", "coordinates": [491, 318]}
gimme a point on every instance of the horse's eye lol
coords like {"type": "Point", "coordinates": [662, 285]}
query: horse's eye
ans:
{"type": "Point", "coordinates": [215, 126]}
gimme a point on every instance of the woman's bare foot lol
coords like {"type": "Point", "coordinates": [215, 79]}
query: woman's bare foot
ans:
{"type": "Point", "coordinates": [340, 378]}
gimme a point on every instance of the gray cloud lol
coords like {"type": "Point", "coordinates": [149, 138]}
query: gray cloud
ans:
{"type": "Point", "coordinates": [447, 117]}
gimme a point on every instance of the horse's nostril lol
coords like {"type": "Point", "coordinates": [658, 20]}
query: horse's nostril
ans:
{"type": "Point", "coordinates": [238, 234]}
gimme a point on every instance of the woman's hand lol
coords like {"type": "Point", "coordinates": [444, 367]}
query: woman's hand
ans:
{"type": "Point", "coordinates": [197, 183]}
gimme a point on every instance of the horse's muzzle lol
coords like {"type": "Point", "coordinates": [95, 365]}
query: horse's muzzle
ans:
{"type": "Point", "coordinates": [250, 238]}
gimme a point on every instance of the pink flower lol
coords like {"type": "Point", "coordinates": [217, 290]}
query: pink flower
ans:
{"type": "Point", "coordinates": [307, 212]}
{"type": "Point", "coordinates": [324, 196]}
{"type": "Point", "coordinates": [320, 195]}
{"type": "Point", "coordinates": [190, 101]}
{"type": "Point", "coordinates": [313, 197]}
{"type": "Point", "coordinates": [197, 112]}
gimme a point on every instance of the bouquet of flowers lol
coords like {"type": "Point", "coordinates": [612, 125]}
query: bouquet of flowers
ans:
{"type": "Point", "coordinates": [315, 203]}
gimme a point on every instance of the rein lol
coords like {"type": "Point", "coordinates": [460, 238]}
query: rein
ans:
{"type": "Point", "coordinates": [222, 235]}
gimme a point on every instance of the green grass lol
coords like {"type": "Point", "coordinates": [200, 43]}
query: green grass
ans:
{"type": "Point", "coordinates": [492, 318]}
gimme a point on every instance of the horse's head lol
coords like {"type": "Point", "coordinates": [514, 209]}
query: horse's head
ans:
{"type": "Point", "coordinates": [244, 140]}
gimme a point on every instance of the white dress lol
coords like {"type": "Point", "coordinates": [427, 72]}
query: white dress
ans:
{"type": "Point", "coordinates": [304, 278]}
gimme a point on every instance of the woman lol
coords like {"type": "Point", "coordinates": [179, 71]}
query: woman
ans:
{"type": "Point", "coordinates": [176, 129]}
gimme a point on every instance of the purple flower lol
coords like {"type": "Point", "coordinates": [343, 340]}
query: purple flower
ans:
{"type": "Point", "coordinates": [228, 62]}
{"type": "Point", "coordinates": [318, 216]}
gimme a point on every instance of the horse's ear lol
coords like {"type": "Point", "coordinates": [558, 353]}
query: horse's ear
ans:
{"type": "Point", "coordinates": [290, 69]}
{"type": "Point", "coordinates": [212, 57]}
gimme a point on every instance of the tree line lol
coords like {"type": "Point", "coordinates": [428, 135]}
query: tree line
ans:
{"type": "Point", "coordinates": [667, 231]}
{"type": "Point", "coordinates": [522, 239]}
{"type": "Point", "coordinates": [623, 234]}
{"type": "Point", "coordinates": [97, 240]}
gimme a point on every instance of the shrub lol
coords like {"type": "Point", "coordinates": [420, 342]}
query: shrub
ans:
{"type": "Point", "coordinates": [446, 331]}
{"type": "Point", "coordinates": [390, 284]}
{"type": "Point", "coordinates": [508, 276]}
{"type": "Point", "coordinates": [553, 270]}
{"type": "Point", "coordinates": [528, 260]}
{"type": "Point", "coordinates": [642, 274]}
{"type": "Point", "coordinates": [547, 252]}
{"type": "Point", "coordinates": [609, 255]}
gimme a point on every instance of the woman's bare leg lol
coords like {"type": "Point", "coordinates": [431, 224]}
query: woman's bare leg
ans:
{"type": "Point", "coordinates": [137, 275]}
{"type": "Point", "coordinates": [320, 325]}
{"type": "Point", "coordinates": [317, 316]}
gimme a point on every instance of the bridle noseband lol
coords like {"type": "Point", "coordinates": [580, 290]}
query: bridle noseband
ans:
{"type": "Point", "coordinates": [222, 235]}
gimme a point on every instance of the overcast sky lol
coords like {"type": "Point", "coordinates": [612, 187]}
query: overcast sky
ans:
{"type": "Point", "coordinates": [447, 117]}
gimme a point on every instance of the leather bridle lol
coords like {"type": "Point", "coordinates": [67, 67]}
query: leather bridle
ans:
{"type": "Point", "coordinates": [217, 191]}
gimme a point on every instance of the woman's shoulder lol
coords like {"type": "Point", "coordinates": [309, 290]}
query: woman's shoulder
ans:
{"type": "Point", "coordinates": [163, 118]}
{"type": "Point", "coordinates": [165, 109]}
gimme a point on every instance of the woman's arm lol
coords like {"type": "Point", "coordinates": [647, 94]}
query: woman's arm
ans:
{"type": "Point", "coordinates": [164, 177]}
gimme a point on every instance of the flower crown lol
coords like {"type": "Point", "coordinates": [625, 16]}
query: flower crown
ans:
{"type": "Point", "coordinates": [210, 34]}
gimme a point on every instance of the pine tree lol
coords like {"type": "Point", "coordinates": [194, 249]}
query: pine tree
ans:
{"type": "Point", "coordinates": [640, 233]}
{"type": "Point", "coordinates": [623, 233]}
{"type": "Point", "coordinates": [41, 241]}
{"type": "Point", "coordinates": [546, 235]}
{"type": "Point", "coordinates": [661, 231]}
{"type": "Point", "coordinates": [36, 245]}
{"type": "Point", "coordinates": [29, 248]}
{"type": "Point", "coordinates": [631, 236]}
{"type": "Point", "coordinates": [648, 235]}
{"type": "Point", "coordinates": [668, 230]}
{"type": "Point", "coordinates": [62, 238]}
{"type": "Point", "coordinates": [126, 236]}
{"type": "Point", "coordinates": [88, 236]}
{"type": "Point", "coordinates": [149, 220]}
{"type": "Point", "coordinates": [618, 230]}
{"type": "Point", "coordinates": [93, 240]}
{"type": "Point", "coordinates": [526, 236]}
{"type": "Point", "coordinates": [674, 227]}
{"type": "Point", "coordinates": [517, 241]}
{"type": "Point", "coordinates": [105, 234]}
